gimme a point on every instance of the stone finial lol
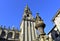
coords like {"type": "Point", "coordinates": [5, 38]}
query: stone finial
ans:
{"type": "Point", "coordinates": [4, 27]}
{"type": "Point", "coordinates": [9, 28]}
{"type": "Point", "coordinates": [38, 17]}
{"type": "Point", "coordinates": [39, 22]}
{"type": "Point", "coordinates": [0, 26]}
{"type": "Point", "coordinates": [13, 27]}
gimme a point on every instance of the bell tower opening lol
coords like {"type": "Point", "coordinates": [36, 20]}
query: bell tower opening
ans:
{"type": "Point", "coordinates": [28, 15]}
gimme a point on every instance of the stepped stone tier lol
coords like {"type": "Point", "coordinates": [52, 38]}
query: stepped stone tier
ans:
{"type": "Point", "coordinates": [31, 29]}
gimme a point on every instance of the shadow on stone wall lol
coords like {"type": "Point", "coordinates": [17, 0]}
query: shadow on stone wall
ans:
{"type": "Point", "coordinates": [55, 35]}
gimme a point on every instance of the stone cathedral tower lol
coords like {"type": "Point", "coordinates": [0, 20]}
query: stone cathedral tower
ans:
{"type": "Point", "coordinates": [28, 31]}
{"type": "Point", "coordinates": [28, 28]}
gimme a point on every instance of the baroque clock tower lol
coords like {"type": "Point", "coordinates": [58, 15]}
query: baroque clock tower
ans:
{"type": "Point", "coordinates": [27, 27]}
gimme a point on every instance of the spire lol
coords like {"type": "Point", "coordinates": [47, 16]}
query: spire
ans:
{"type": "Point", "coordinates": [27, 12]}
{"type": "Point", "coordinates": [27, 8]}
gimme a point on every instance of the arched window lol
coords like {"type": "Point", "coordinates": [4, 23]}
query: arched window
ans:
{"type": "Point", "coordinates": [16, 35]}
{"type": "Point", "coordinates": [3, 33]}
{"type": "Point", "coordinates": [10, 35]}
{"type": "Point", "coordinates": [54, 34]}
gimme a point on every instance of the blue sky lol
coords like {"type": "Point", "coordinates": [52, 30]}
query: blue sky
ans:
{"type": "Point", "coordinates": [11, 11]}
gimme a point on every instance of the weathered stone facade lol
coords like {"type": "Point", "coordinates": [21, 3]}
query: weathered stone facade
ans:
{"type": "Point", "coordinates": [29, 27]}
{"type": "Point", "coordinates": [9, 34]}
{"type": "Point", "coordinates": [55, 32]}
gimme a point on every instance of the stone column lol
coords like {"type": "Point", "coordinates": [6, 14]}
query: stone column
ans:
{"type": "Point", "coordinates": [29, 30]}
{"type": "Point", "coordinates": [22, 31]}
{"type": "Point", "coordinates": [32, 29]}
{"type": "Point", "coordinates": [13, 34]}
{"type": "Point", "coordinates": [35, 31]}
{"type": "Point", "coordinates": [26, 31]}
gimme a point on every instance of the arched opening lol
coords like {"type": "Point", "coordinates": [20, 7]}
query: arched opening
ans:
{"type": "Point", "coordinates": [3, 33]}
{"type": "Point", "coordinates": [54, 34]}
{"type": "Point", "coordinates": [16, 35]}
{"type": "Point", "coordinates": [27, 15]}
{"type": "Point", "coordinates": [10, 35]}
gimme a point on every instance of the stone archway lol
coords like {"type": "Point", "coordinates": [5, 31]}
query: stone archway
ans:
{"type": "Point", "coordinates": [10, 34]}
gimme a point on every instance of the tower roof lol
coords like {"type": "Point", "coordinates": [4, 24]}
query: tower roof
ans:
{"type": "Point", "coordinates": [27, 12]}
{"type": "Point", "coordinates": [27, 8]}
{"type": "Point", "coordinates": [38, 17]}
